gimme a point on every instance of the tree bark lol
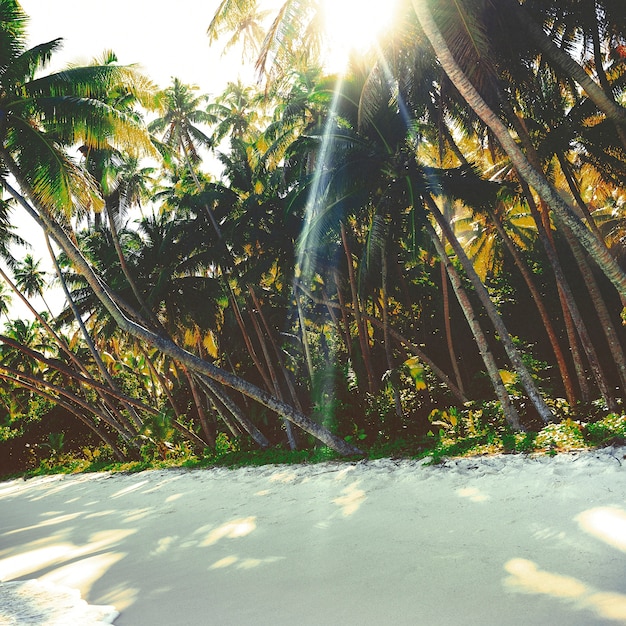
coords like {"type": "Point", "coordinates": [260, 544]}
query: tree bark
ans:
{"type": "Point", "coordinates": [543, 313]}
{"type": "Point", "coordinates": [363, 338]}
{"type": "Point", "coordinates": [135, 421]}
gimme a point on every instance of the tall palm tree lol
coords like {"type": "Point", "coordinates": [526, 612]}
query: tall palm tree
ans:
{"type": "Point", "coordinates": [243, 22]}
{"type": "Point", "coordinates": [234, 113]}
{"type": "Point", "coordinates": [5, 300]}
{"type": "Point", "coordinates": [182, 115]}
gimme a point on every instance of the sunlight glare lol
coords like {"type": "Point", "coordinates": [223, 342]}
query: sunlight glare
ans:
{"type": "Point", "coordinates": [353, 26]}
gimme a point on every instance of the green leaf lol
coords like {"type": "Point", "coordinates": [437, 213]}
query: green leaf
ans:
{"type": "Point", "coordinates": [416, 371]}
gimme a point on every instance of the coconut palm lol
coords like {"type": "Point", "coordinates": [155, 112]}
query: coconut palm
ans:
{"type": "Point", "coordinates": [43, 118]}
{"type": "Point", "coordinates": [31, 279]}
{"type": "Point", "coordinates": [243, 22]}
{"type": "Point", "coordinates": [182, 115]}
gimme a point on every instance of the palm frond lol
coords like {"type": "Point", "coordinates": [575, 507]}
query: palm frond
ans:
{"type": "Point", "coordinates": [13, 35]}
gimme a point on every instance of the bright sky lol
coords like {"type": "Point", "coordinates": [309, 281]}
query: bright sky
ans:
{"type": "Point", "coordinates": [169, 39]}
{"type": "Point", "coordinates": [166, 39]}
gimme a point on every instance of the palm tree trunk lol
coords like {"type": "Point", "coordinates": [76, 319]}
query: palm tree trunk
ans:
{"type": "Point", "coordinates": [535, 179]}
{"type": "Point", "coordinates": [606, 323]}
{"type": "Point", "coordinates": [304, 334]}
{"type": "Point", "coordinates": [122, 259]}
{"type": "Point", "coordinates": [36, 383]}
{"type": "Point", "coordinates": [270, 367]}
{"type": "Point", "coordinates": [248, 340]}
{"type": "Point", "coordinates": [84, 379]}
{"type": "Point", "coordinates": [570, 308]}
{"type": "Point", "coordinates": [204, 424]}
{"type": "Point", "coordinates": [207, 208]}
{"type": "Point", "coordinates": [448, 328]}
{"type": "Point", "coordinates": [514, 356]}
{"type": "Point", "coordinates": [281, 363]}
{"type": "Point", "coordinates": [574, 188]}
{"type": "Point", "coordinates": [412, 346]}
{"type": "Point", "coordinates": [344, 314]}
{"type": "Point", "coordinates": [70, 408]}
{"type": "Point", "coordinates": [510, 412]}
{"type": "Point", "coordinates": [136, 420]}
{"type": "Point", "coordinates": [544, 232]}
{"type": "Point", "coordinates": [336, 322]}
{"type": "Point", "coordinates": [222, 398]}
{"type": "Point", "coordinates": [363, 338]}
{"type": "Point", "coordinates": [543, 313]}
{"type": "Point", "coordinates": [386, 339]}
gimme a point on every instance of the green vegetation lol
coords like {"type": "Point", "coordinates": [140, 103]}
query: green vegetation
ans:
{"type": "Point", "coordinates": [422, 256]}
{"type": "Point", "coordinates": [480, 439]}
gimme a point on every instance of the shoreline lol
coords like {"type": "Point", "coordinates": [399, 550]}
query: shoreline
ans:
{"type": "Point", "coordinates": [511, 538]}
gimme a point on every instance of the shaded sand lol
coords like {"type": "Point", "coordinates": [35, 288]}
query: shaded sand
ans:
{"type": "Point", "coordinates": [494, 540]}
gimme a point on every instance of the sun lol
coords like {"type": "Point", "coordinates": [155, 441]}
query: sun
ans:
{"type": "Point", "coordinates": [354, 26]}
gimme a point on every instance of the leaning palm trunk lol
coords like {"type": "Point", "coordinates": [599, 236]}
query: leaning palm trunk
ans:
{"type": "Point", "coordinates": [104, 393]}
{"type": "Point", "coordinates": [606, 323]}
{"type": "Point", "coordinates": [543, 313]}
{"type": "Point", "coordinates": [98, 430]}
{"type": "Point", "coordinates": [508, 409]}
{"type": "Point", "coordinates": [136, 420]}
{"type": "Point", "coordinates": [294, 398]}
{"type": "Point", "coordinates": [124, 267]}
{"type": "Point", "coordinates": [571, 312]}
{"type": "Point", "coordinates": [163, 344]}
{"type": "Point", "coordinates": [566, 168]}
{"type": "Point", "coordinates": [209, 438]}
{"type": "Point", "coordinates": [36, 383]}
{"type": "Point", "coordinates": [221, 399]}
{"type": "Point", "coordinates": [535, 179]}
{"type": "Point", "coordinates": [83, 379]}
{"type": "Point", "coordinates": [514, 356]}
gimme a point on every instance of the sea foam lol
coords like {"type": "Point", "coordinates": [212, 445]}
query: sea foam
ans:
{"type": "Point", "coordinates": [39, 603]}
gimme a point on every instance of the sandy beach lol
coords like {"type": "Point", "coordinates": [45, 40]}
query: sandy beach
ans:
{"type": "Point", "coordinates": [492, 540]}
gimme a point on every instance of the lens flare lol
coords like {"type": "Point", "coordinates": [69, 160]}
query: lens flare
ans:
{"type": "Point", "coordinates": [353, 27]}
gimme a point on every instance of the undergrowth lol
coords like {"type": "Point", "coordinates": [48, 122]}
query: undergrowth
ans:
{"type": "Point", "coordinates": [453, 434]}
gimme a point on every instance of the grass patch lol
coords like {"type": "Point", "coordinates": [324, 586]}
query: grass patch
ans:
{"type": "Point", "coordinates": [486, 439]}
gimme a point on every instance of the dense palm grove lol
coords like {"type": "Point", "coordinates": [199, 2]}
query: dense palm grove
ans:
{"type": "Point", "coordinates": [436, 233]}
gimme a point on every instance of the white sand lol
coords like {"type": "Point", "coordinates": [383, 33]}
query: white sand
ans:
{"type": "Point", "coordinates": [496, 540]}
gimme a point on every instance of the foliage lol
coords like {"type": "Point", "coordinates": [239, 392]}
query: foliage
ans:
{"type": "Point", "coordinates": [611, 429]}
{"type": "Point", "coordinates": [329, 272]}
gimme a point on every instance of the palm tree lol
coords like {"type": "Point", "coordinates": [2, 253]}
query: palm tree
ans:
{"type": "Point", "coordinates": [182, 113]}
{"type": "Point", "coordinates": [243, 21]}
{"type": "Point", "coordinates": [5, 300]}
{"type": "Point", "coordinates": [30, 279]}
{"type": "Point", "coordinates": [234, 113]}
{"type": "Point", "coordinates": [43, 117]}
